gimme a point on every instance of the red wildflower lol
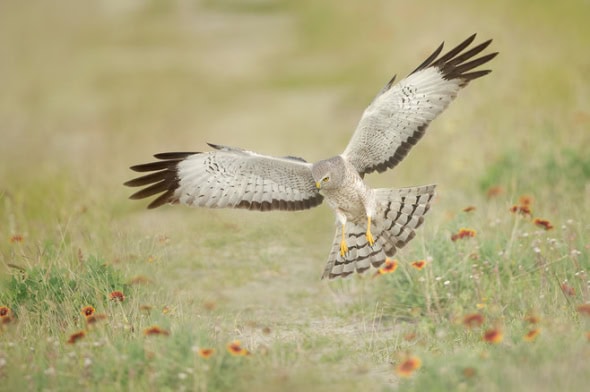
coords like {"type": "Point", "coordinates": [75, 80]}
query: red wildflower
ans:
{"type": "Point", "coordinates": [389, 267]}
{"type": "Point", "coordinates": [155, 330]}
{"type": "Point", "coordinates": [16, 238]}
{"type": "Point", "coordinates": [493, 336]}
{"type": "Point", "coordinates": [205, 352]}
{"type": "Point", "coordinates": [544, 223]}
{"type": "Point", "coordinates": [76, 336]}
{"type": "Point", "coordinates": [463, 233]}
{"type": "Point", "coordinates": [521, 209]}
{"type": "Point", "coordinates": [235, 348]}
{"type": "Point", "coordinates": [532, 335]}
{"type": "Point", "coordinates": [117, 296]}
{"type": "Point", "coordinates": [469, 209]}
{"type": "Point", "coordinates": [408, 367]}
{"type": "Point", "coordinates": [5, 315]}
{"type": "Point", "coordinates": [87, 311]}
{"type": "Point", "coordinates": [419, 264]}
{"type": "Point", "coordinates": [5, 311]}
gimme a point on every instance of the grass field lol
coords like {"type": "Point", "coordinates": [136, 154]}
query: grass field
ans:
{"type": "Point", "coordinates": [88, 90]}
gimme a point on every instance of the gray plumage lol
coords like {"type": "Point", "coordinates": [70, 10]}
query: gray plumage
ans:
{"type": "Point", "coordinates": [373, 222]}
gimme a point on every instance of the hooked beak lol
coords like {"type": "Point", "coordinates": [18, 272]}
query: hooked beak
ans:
{"type": "Point", "coordinates": [318, 185]}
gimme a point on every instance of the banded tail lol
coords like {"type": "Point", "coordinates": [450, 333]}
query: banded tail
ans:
{"type": "Point", "coordinates": [399, 213]}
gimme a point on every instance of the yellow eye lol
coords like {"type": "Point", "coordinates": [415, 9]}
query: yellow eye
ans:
{"type": "Point", "coordinates": [326, 179]}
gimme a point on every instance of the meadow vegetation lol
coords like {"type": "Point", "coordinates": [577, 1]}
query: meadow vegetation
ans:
{"type": "Point", "coordinates": [97, 293]}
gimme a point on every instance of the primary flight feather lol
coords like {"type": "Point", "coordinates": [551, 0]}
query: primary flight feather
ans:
{"type": "Point", "coordinates": [373, 222]}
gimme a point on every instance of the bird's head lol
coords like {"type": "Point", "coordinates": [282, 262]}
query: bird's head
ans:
{"type": "Point", "coordinates": [328, 174]}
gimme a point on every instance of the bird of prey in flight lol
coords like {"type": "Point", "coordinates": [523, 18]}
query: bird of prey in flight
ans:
{"type": "Point", "coordinates": [372, 223]}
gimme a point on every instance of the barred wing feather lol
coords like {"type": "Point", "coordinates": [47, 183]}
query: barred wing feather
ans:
{"type": "Point", "coordinates": [228, 177]}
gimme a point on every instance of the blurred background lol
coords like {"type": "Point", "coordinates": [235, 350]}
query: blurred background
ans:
{"type": "Point", "coordinates": [88, 89]}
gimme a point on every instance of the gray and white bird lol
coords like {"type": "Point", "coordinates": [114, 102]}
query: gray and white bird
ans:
{"type": "Point", "coordinates": [372, 223]}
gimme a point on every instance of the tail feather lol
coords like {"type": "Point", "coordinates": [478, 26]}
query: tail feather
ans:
{"type": "Point", "coordinates": [399, 213]}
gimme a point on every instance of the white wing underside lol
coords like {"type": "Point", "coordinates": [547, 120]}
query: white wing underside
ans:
{"type": "Point", "coordinates": [228, 177]}
{"type": "Point", "coordinates": [397, 118]}
{"type": "Point", "coordinates": [243, 179]}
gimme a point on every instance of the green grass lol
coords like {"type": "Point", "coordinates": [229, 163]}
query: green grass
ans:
{"type": "Point", "coordinates": [88, 90]}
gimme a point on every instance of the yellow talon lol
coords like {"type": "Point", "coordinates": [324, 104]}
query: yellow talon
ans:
{"type": "Point", "coordinates": [369, 235]}
{"type": "Point", "coordinates": [370, 238]}
{"type": "Point", "coordinates": [343, 246]}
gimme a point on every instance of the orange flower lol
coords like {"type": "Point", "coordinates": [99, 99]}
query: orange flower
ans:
{"type": "Point", "coordinates": [76, 336]}
{"type": "Point", "coordinates": [87, 311]}
{"type": "Point", "coordinates": [389, 267]}
{"type": "Point", "coordinates": [469, 209]}
{"type": "Point", "coordinates": [117, 296]}
{"type": "Point", "coordinates": [5, 315]}
{"type": "Point", "coordinates": [206, 352]}
{"type": "Point", "coordinates": [155, 330]}
{"type": "Point", "coordinates": [521, 209]}
{"type": "Point", "coordinates": [568, 290]}
{"type": "Point", "coordinates": [235, 348]}
{"type": "Point", "coordinates": [584, 309]}
{"type": "Point", "coordinates": [544, 223]}
{"type": "Point", "coordinates": [494, 336]}
{"type": "Point", "coordinates": [408, 367]}
{"type": "Point", "coordinates": [16, 238]}
{"type": "Point", "coordinates": [5, 311]}
{"type": "Point", "coordinates": [419, 264]}
{"type": "Point", "coordinates": [473, 320]}
{"type": "Point", "coordinates": [532, 335]}
{"type": "Point", "coordinates": [463, 233]}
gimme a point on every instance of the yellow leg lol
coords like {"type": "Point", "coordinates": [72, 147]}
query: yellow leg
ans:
{"type": "Point", "coordinates": [369, 235]}
{"type": "Point", "coordinates": [343, 246]}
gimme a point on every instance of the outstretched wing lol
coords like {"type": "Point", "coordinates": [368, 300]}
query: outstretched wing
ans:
{"type": "Point", "coordinates": [228, 177]}
{"type": "Point", "coordinates": [397, 118]}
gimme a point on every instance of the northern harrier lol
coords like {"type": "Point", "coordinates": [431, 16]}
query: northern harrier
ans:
{"type": "Point", "coordinates": [373, 223]}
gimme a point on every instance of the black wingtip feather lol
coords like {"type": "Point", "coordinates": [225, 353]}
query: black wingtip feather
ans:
{"type": "Point", "coordinates": [426, 63]}
{"type": "Point", "coordinates": [163, 179]}
{"type": "Point", "coordinates": [455, 64]}
{"type": "Point", "coordinates": [174, 155]}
